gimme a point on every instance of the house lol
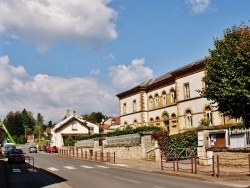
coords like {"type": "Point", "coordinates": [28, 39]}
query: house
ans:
{"type": "Point", "coordinates": [171, 100]}
{"type": "Point", "coordinates": [111, 124]}
{"type": "Point", "coordinates": [72, 126]}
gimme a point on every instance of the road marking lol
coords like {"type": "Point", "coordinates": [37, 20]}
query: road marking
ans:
{"type": "Point", "coordinates": [102, 166]}
{"type": "Point", "coordinates": [16, 170]}
{"type": "Point", "coordinates": [53, 169]}
{"type": "Point", "coordinates": [158, 187]}
{"type": "Point", "coordinates": [127, 179]}
{"type": "Point", "coordinates": [100, 173]}
{"type": "Point", "coordinates": [119, 164]}
{"type": "Point", "coordinates": [31, 170]}
{"type": "Point", "coordinates": [87, 166]}
{"type": "Point", "coordinates": [69, 167]}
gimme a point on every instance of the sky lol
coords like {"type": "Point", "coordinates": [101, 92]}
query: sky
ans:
{"type": "Point", "coordinates": [79, 54]}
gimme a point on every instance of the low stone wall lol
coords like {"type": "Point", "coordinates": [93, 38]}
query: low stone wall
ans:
{"type": "Point", "coordinates": [233, 158]}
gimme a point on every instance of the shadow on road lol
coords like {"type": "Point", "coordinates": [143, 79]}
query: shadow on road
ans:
{"type": "Point", "coordinates": [22, 176]}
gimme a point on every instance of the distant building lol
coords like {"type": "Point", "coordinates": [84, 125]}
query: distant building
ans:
{"type": "Point", "coordinates": [171, 101]}
{"type": "Point", "coordinates": [72, 126]}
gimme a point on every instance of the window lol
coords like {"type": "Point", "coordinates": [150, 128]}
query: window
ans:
{"type": "Point", "coordinates": [156, 101]}
{"type": "Point", "coordinates": [157, 119]}
{"type": "Point", "coordinates": [189, 118]}
{"type": "Point", "coordinates": [74, 126]}
{"type": "Point", "coordinates": [124, 108]}
{"type": "Point", "coordinates": [134, 105]}
{"type": "Point", "coordinates": [135, 123]}
{"type": "Point", "coordinates": [164, 98]}
{"type": "Point", "coordinates": [172, 92]}
{"type": "Point", "coordinates": [151, 121]}
{"type": "Point", "coordinates": [150, 102]}
{"type": "Point", "coordinates": [165, 119]}
{"type": "Point", "coordinates": [174, 120]}
{"type": "Point", "coordinates": [186, 91]}
{"type": "Point", "coordinates": [209, 114]}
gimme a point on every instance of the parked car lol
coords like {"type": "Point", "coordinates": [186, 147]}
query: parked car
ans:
{"type": "Point", "coordinates": [32, 149]}
{"type": "Point", "coordinates": [16, 156]}
{"type": "Point", "coordinates": [52, 149]}
{"type": "Point", "coordinates": [7, 147]}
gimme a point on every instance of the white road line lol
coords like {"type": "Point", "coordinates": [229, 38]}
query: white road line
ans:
{"type": "Point", "coordinates": [100, 173]}
{"type": "Point", "coordinates": [87, 166]}
{"type": "Point", "coordinates": [158, 187]}
{"type": "Point", "coordinates": [16, 170]}
{"type": "Point", "coordinates": [69, 167]}
{"type": "Point", "coordinates": [31, 170]}
{"type": "Point", "coordinates": [119, 164]}
{"type": "Point", "coordinates": [52, 169]}
{"type": "Point", "coordinates": [102, 166]}
{"type": "Point", "coordinates": [127, 179]}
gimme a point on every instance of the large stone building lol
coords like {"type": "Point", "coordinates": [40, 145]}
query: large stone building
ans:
{"type": "Point", "coordinates": [170, 100]}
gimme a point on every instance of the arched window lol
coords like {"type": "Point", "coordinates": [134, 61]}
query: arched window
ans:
{"type": "Point", "coordinates": [209, 114]}
{"type": "Point", "coordinates": [173, 97]}
{"type": "Point", "coordinates": [156, 101]}
{"type": "Point", "coordinates": [124, 108]}
{"type": "Point", "coordinates": [189, 118]}
{"type": "Point", "coordinates": [135, 123]}
{"type": "Point", "coordinates": [164, 98]}
{"type": "Point", "coordinates": [134, 105]}
{"type": "Point", "coordinates": [174, 120]}
{"type": "Point", "coordinates": [165, 120]}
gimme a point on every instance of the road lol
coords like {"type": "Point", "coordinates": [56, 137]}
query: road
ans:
{"type": "Point", "coordinates": [59, 172]}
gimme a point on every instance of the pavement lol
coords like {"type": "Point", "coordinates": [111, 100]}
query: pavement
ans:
{"type": "Point", "coordinates": [242, 181]}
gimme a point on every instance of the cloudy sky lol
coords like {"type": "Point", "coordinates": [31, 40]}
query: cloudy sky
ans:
{"type": "Point", "coordinates": [79, 54]}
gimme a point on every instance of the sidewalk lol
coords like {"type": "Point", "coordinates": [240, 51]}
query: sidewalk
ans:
{"type": "Point", "coordinates": [242, 181]}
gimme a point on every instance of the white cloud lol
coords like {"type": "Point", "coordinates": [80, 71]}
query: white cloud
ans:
{"type": "Point", "coordinates": [95, 72]}
{"type": "Point", "coordinates": [198, 6]}
{"type": "Point", "coordinates": [124, 77]}
{"type": "Point", "coordinates": [89, 23]}
{"type": "Point", "coordinates": [51, 96]}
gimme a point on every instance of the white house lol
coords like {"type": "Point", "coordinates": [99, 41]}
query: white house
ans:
{"type": "Point", "coordinates": [71, 126]}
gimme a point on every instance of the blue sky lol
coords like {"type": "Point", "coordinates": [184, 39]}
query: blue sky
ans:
{"type": "Point", "coordinates": [79, 54]}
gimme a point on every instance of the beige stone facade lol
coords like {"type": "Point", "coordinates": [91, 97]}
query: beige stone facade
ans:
{"type": "Point", "coordinates": [171, 100]}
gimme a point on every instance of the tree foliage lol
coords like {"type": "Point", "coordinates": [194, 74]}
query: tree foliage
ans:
{"type": "Point", "coordinates": [94, 117]}
{"type": "Point", "coordinates": [227, 76]}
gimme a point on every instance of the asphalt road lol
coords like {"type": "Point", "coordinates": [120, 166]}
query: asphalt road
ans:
{"type": "Point", "coordinates": [54, 171]}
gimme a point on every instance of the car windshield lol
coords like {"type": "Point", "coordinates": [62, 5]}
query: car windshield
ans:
{"type": "Point", "coordinates": [16, 151]}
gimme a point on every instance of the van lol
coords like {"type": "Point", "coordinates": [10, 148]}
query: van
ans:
{"type": "Point", "coordinates": [7, 147]}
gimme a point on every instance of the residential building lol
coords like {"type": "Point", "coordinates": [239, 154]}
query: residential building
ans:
{"type": "Point", "coordinates": [171, 100]}
{"type": "Point", "coordinates": [72, 126]}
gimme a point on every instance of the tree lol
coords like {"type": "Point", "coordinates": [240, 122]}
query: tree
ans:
{"type": "Point", "coordinates": [94, 117]}
{"type": "Point", "coordinates": [227, 75]}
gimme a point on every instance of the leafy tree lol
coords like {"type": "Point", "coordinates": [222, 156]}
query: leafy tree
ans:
{"type": "Point", "coordinates": [28, 122]}
{"type": "Point", "coordinates": [227, 76]}
{"type": "Point", "coordinates": [94, 117]}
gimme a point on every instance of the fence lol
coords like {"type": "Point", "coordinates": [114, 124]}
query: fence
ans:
{"type": "Point", "coordinates": [29, 164]}
{"type": "Point", "coordinates": [85, 155]}
{"type": "Point", "coordinates": [216, 169]}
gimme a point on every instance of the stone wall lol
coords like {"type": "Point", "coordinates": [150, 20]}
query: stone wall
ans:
{"type": "Point", "coordinates": [128, 150]}
{"type": "Point", "coordinates": [233, 158]}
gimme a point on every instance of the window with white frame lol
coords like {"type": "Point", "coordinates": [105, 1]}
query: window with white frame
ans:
{"type": "Point", "coordinates": [209, 114]}
{"type": "Point", "coordinates": [172, 92]}
{"type": "Point", "coordinates": [74, 126]}
{"type": "Point", "coordinates": [189, 118]}
{"type": "Point", "coordinates": [186, 91]}
{"type": "Point", "coordinates": [134, 105]}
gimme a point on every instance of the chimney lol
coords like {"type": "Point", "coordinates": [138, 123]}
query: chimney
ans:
{"type": "Point", "coordinates": [74, 113]}
{"type": "Point", "coordinates": [67, 113]}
